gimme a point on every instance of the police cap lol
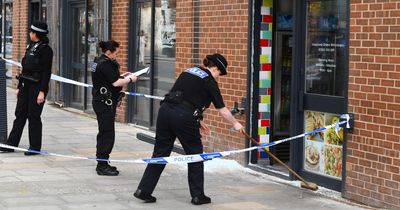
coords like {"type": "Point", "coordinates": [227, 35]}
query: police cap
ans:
{"type": "Point", "coordinates": [39, 27]}
{"type": "Point", "coordinates": [220, 61]}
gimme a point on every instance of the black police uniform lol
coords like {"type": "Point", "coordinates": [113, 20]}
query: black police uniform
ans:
{"type": "Point", "coordinates": [105, 71]}
{"type": "Point", "coordinates": [178, 116]}
{"type": "Point", "coordinates": [35, 77]}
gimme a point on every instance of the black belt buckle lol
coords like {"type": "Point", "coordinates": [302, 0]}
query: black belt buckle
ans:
{"type": "Point", "coordinates": [21, 76]}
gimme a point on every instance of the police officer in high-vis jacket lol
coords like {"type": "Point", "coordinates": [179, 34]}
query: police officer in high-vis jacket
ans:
{"type": "Point", "coordinates": [180, 115]}
{"type": "Point", "coordinates": [32, 88]}
{"type": "Point", "coordinates": [107, 84]}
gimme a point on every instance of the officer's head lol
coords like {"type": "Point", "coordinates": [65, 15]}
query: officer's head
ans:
{"type": "Point", "coordinates": [110, 48]}
{"type": "Point", "coordinates": [38, 31]}
{"type": "Point", "coordinates": [217, 61]}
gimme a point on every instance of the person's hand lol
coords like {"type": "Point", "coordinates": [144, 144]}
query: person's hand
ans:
{"type": "Point", "coordinates": [239, 127]}
{"type": "Point", "coordinates": [40, 98]}
{"type": "Point", "coordinates": [17, 93]}
{"type": "Point", "coordinates": [133, 77]}
{"type": "Point", "coordinates": [126, 74]}
{"type": "Point", "coordinates": [203, 128]}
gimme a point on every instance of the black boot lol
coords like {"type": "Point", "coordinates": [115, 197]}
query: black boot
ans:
{"type": "Point", "coordinates": [107, 170]}
{"type": "Point", "coordinates": [199, 200]}
{"type": "Point", "coordinates": [5, 150]}
{"type": "Point", "coordinates": [31, 153]}
{"type": "Point", "coordinates": [146, 197]}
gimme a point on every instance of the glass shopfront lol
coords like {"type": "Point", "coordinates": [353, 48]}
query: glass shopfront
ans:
{"type": "Point", "coordinates": [301, 75]}
{"type": "Point", "coordinates": [323, 90]}
{"type": "Point", "coordinates": [325, 47]}
{"type": "Point", "coordinates": [153, 22]}
{"type": "Point", "coordinates": [6, 33]}
{"type": "Point", "coordinates": [85, 24]}
{"type": "Point", "coordinates": [6, 28]}
{"type": "Point", "coordinates": [325, 67]}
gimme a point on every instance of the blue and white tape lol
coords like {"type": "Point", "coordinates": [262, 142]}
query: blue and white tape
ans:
{"type": "Point", "coordinates": [73, 82]}
{"type": "Point", "coordinates": [186, 158]}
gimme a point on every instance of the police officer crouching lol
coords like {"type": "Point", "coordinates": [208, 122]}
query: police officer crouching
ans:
{"type": "Point", "coordinates": [180, 115]}
{"type": "Point", "coordinates": [32, 89]}
{"type": "Point", "coordinates": [107, 86]}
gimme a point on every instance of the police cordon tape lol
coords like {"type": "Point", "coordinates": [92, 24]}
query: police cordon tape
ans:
{"type": "Point", "coordinates": [73, 82]}
{"type": "Point", "coordinates": [181, 159]}
{"type": "Point", "coordinates": [171, 159]}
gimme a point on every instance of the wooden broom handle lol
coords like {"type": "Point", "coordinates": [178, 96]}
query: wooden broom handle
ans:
{"type": "Point", "coordinates": [276, 159]}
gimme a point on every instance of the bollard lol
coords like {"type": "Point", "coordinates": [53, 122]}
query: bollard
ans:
{"type": "Point", "coordinates": [3, 101]}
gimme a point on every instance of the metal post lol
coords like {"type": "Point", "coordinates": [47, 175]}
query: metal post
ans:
{"type": "Point", "coordinates": [3, 101]}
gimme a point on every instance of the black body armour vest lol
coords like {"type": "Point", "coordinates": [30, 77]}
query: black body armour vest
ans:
{"type": "Point", "coordinates": [31, 62]}
{"type": "Point", "coordinates": [103, 90]}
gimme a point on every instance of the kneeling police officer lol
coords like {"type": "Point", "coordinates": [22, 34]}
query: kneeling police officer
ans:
{"type": "Point", "coordinates": [107, 86]}
{"type": "Point", "coordinates": [32, 89]}
{"type": "Point", "coordinates": [180, 115]}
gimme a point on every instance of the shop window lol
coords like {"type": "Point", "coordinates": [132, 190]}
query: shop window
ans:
{"type": "Point", "coordinates": [155, 47]}
{"type": "Point", "coordinates": [7, 27]}
{"type": "Point", "coordinates": [38, 11]}
{"type": "Point", "coordinates": [326, 47]}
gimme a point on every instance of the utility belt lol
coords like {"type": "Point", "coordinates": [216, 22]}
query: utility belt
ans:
{"type": "Point", "coordinates": [25, 77]}
{"type": "Point", "coordinates": [177, 98]}
{"type": "Point", "coordinates": [105, 96]}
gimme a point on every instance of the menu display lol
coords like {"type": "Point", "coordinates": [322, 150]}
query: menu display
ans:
{"type": "Point", "coordinates": [323, 151]}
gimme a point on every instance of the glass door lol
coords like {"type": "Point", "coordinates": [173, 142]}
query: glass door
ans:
{"type": "Point", "coordinates": [77, 56]}
{"type": "Point", "coordinates": [282, 79]}
{"type": "Point", "coordinates": [141, 108]}
{"type": "Point", "coordinates": [154, 47]}
{"type": "Point", "coordinates": [97, 31]}
{"type": "Point", "coordinates": [85, 23]}
{"type": "Point", "coordinates": [323, 91]}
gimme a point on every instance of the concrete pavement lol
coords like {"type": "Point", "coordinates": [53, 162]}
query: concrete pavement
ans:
{"type": "Point", "coordinates": [53, 183]}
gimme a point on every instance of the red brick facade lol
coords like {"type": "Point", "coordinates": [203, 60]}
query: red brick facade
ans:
{"type": "Point", "coordinates": [223, 29]}
{"type": "Point", "coordinates": [373, 150]}
{"type": "Point", "coordinates": [20, 34]}
{"type": "Point", "coordinates": [120, 33]}
{"type": "Point", "coordinates": [373, 155]}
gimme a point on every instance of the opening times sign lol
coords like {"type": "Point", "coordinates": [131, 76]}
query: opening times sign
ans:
{"type": "Point", "coordinates": [325, 47]}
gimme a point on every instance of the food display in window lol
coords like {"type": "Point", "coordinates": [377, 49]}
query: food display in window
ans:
{"type": "Point", "coordinates": [333, 160]}
{"type": "Point", "coordinates": [331, 135]}
{"type": "Point", "coordinates": [314, 120]}
{"type": "Point", "coordinates": [323, 151]}
{"type": "Point", "coordinates": [312, 157]}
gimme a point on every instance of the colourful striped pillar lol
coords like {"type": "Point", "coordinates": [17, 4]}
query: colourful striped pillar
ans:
{"type": "Point", "coordinates": [264, 98]}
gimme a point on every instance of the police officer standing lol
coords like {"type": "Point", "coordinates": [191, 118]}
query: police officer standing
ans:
{"type": "Point", "coordinates": [107, 86]}
{"type": "Point", "coordinates": [32, 89]}
{"type": "Point", "coordinates": [180, 115]}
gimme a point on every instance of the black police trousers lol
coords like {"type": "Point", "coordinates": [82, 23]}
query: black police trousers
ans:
{"type": "Point", "coordinates": [27, 108]}
{"type": "Point", "coordinates": [106, 134]}
{"type": "Point", "coordinates": [173, 121]}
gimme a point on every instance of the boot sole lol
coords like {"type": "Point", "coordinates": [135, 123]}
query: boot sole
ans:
{"type": "Point", "coordinates": [106, 174]}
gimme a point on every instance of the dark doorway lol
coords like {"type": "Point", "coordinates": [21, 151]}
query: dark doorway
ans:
{"type": "Point", "coordinates": [75, 54]}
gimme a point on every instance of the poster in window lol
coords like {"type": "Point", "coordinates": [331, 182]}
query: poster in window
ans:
{"type": "Point", "coordinates": [323, 151]}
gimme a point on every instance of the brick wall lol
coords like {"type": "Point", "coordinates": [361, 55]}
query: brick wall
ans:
{"type": "Point", "coordinates": [222, 28]}
{"type": "Point", "coordinates": [119, 33]}
{"type": "Point", "coordinates": [20, 34]}
{"type": "Point", "coordinates": [373, 156]}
